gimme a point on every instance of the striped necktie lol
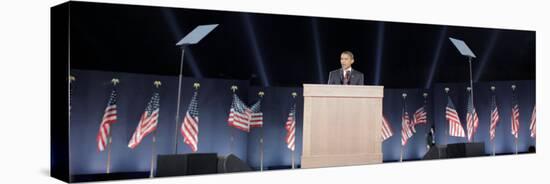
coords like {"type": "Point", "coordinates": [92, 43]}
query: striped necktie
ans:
{"type": "Point", "coordinates": [346, 78]}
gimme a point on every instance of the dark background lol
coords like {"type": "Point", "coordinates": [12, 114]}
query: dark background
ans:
{"type": "Point", "coordinates": [286, 50]}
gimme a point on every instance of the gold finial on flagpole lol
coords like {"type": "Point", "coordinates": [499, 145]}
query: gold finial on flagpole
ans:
{"type": "Point", "coordinates": [261, 94]}
{"type": "Point", "coordinates": [446, 133]}
{"type": "Point", "coordinates": [71, 78]}
{"type": "Point", "coordinates": [234, 88]}
{"type": "Point", "coordinates": [157, 84]}
{"type": "Point", "coordinates": [115, 81]}
{"type": "Point", "coordinates": [196, 85]}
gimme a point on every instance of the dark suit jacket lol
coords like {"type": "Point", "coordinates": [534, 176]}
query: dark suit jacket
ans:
{"type": "Point", "coordinates": [337, 77]}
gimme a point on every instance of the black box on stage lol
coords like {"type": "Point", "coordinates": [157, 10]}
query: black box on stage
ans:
{"type": "Point", "coordinates": [171, 165]}
{"type": "Point", "coordinates": [202, 163]}
{"type": "Point", "coordinates": [187, 164]}
{"type": "Point", "coordinates": [232, 163]}
{"type": "Point", "coordinates": [459, 150]}
{"type": "Point", "coordinates": [436, 152]}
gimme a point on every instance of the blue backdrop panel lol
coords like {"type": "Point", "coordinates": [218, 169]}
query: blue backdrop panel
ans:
{"type": "Point", "coordinates": [392, 109]}
{"type": "Point", "coordinates": [215, 98]}
{"type": "Point", "coordinates": [504, 140]}
{"type": "Point", "coordinates": [436, 103]}
{"type": "Point", "coordinates": [89, 98]}
{"type": "Point", "coordinates": [275, 107]}
{"type": "Point", "coordinates": [92, 89]}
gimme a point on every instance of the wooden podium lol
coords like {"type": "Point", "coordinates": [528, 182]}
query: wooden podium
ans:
{"type": "Point", "coordinates": [342, 125]}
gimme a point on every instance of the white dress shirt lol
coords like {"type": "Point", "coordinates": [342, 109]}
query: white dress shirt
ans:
{"type": "Point", "coordinates": [344, 73]}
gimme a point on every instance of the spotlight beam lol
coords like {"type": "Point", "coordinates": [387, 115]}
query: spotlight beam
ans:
{"type": "Point", "coordinates": [257, 55]}
{"type": "Point", "coordinates": [487, 54]}
{"type": "Point", "coordinates": [320, 70]}
{"type": "Point", "coordinates": [192, 63]}
{"type": "Point", "coordinates": [177, 33]}
{"type": "Point", "coordinates": [379, 52]}
{"type": "Point", "coordinates": [172, 23]}
{"type": "Point", "coordinates": [435, 60]}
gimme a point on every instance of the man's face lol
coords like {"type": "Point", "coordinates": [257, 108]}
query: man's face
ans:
{"type": "Point", "coordinates": [346, 61]}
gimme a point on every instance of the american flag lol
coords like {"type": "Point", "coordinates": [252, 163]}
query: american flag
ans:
{"type": "Point", "coordinates": [386, 128]}
{"type": "Point", "coordinates": [256, 116]}
{"type": "Point", "coordinates": [495, 118]}
{"type": "Point", "coordinates": [190, 126]}
{"type": "Point", "coordinates": [515, 117]}
{"type": "Point", "coordinates": [148, 121]}
{"type": "Point", "coordinates": [533, 126]}
{"type": "Point", "coordinates": [290, 127]}
{"type": "Point", "coordinates": [406, 131]}
{"type": "Point", "coordinates": [455, 127]}
{"type": "Point", "coordinates": [472, 121]}
{"type": "Point", "coordinates": [109, 117]}
{"type": "Point", "coordinates": [419, 117]}
{"type": "Point", "coordinates": [238, 116]}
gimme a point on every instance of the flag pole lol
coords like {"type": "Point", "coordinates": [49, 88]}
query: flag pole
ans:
{"type": "Point", "coordinates": [70, 87]}
{"type": "Point", "coordinates": [114, 81]}
{"type": "Point", "coordinates": [294, 94]}
{"type": "Point", "coordinates": [516, 140]}
{"type": "Point", "coordinates": [261, 94]}
{"type": "Point", "coordinates": [446, 131]}
{"type": "Point", "coordinates": [517, 144]}
{"type": "Point", "coordinates": [402, 116]}
{"type": "Point", "coordinates": [153, 154]}
{"type": "Point", "coordinates": [469, 89]}
{"type": "Point", "coordinates": [178, 103]}
{"type": "Point", "coordinates": [401, 150]}
{"type": "Point", "coordinates": [262, 148]}
{"type": "Point", "coordinates": [471, 94]}
{"type": "Point", "coordinates": [491, 117]}
{"type": "Point", "coordinates": [232, 132]}
{"type": "Point", "coordinates": [110, 140]}
{"type": "Point", "coordinates": [153, 146]}
{"type": "Point", "coordinates": [425, 95]}
{"type": "Point", "coordinates": [292, 157]}
{"type": "Point", "coordinates": [517, 128]}
{"type": "Point", "coordinates": [231, 140]}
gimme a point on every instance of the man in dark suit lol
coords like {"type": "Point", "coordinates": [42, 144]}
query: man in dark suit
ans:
{"type": "Point", "coordinates": [430, 137]}
{"type": "Point", "coordinates": [346, 75]}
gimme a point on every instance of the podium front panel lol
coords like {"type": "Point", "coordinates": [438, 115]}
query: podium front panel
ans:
{"type": "Point", "coordinates": [342, 125]}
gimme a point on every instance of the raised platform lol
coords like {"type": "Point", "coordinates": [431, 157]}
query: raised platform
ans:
{"type": "Point", "coordinates": [111, 176]}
